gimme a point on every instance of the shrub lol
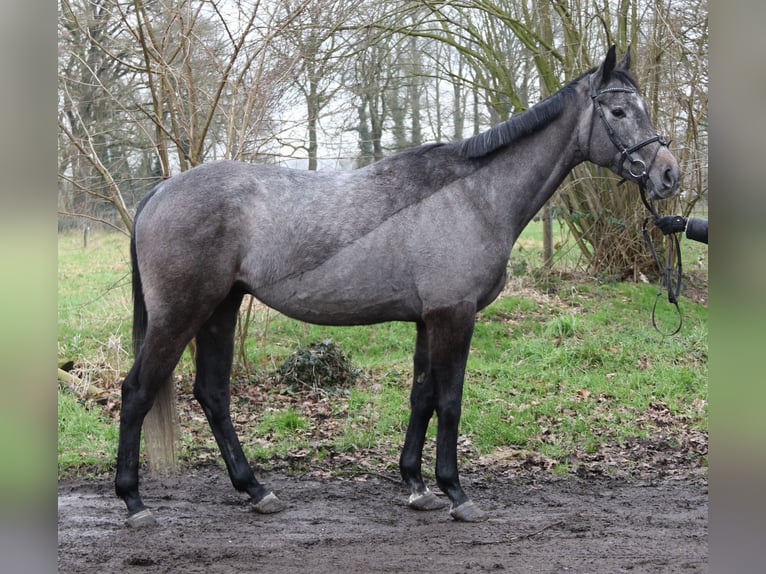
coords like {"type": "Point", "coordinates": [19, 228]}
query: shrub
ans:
{"type": "Point", "coordinates": [319, 367]}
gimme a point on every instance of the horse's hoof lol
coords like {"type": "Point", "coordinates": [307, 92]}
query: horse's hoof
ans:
{"type": "Point", "coordinates": [468, 512]}
{"type": "Point", "coordinates": [426, 501]}
{"type": "Point", "coordinates": [269, 504]}
{"type": "Point", "coordinates": [141, 519]}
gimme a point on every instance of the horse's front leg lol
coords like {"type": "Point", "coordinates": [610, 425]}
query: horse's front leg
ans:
{"type": "Point", "coordinates": [422, 406]}
{"type": "Point", "coordinates": [449, 339]}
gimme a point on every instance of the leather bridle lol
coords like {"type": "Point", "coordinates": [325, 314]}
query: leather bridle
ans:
{"type": "Point", "coordinates": [639, 171]}
{"type": "Point", "coordinates": [637, 168]}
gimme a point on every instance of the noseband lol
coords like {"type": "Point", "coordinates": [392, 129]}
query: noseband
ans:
{"type": "Point", "coordinates": [638, 170]}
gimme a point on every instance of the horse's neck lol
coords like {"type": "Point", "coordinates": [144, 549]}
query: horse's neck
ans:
{"type": "Point", "coordinates": [528, 172]}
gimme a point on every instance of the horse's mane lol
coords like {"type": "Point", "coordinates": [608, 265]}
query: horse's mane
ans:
{"type": "Point", "coordinates": [527, 122]}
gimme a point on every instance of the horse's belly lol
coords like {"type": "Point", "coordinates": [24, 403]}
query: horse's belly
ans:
{"type": "Point", "coordinates": [333, 299]}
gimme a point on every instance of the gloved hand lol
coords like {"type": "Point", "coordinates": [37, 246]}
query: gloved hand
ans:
{"type": "Point", "coordinates": [671, 223]}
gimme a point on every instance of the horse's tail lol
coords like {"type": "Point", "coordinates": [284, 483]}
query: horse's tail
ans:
{"type": "Point", "coordinates": [161, 422]}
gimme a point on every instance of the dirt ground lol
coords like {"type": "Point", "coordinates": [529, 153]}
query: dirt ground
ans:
{"type": "Point", "coordinates": [360, 523]}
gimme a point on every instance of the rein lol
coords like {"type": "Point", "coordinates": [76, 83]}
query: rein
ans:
{"type": "Point", "coordinates": [669, 277]}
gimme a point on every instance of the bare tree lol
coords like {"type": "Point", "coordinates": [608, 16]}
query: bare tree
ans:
{"type": "Point", "coordinates": [371, 81]}
{"type": "Point", "coordinates": [319, 39]}
{"type": "Point", "coordinates": [157, 87]}
{"type": "Point", "coordinates": [93, 141]}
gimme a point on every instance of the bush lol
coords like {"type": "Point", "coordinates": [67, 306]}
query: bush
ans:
{"type": "Point", "coordinates": [319, 367]}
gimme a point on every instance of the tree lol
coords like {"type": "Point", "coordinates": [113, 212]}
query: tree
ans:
{"type": "Point", "coordinates": [319, 39]}
{"type": "Point", "coordinates": [92, 138]}
{"type": "Point", "coordinates": [149, 88]}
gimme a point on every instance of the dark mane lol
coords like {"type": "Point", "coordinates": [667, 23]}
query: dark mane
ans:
{"type": "Point", "coordinates": [519, 125]}
{"type": "Point", "coordinates": [529, 121]}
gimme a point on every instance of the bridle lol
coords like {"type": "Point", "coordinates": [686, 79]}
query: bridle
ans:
{"type": "Point", "coordinates": [640, 173]}
{"type": "Point", "coordinates": [637, 168]}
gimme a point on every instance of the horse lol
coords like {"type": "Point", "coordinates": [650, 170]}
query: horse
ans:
{"type": "Point", "coordinates": [422, 236]}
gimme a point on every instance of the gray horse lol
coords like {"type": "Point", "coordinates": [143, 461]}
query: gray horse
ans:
{"type": "Point", "coordinates": [422, 236]}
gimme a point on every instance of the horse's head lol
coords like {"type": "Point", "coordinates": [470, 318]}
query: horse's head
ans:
{"type": "Point", "coordinates": [620, 134]}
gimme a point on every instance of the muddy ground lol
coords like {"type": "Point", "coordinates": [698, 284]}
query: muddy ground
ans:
{"type": "Point", "coordinates": [538, 523]}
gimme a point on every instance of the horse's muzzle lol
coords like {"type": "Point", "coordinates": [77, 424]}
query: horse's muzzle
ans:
{"type": "Point", "coordinates": [665, 176]}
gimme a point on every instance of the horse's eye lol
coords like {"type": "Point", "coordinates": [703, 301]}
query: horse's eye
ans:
{"type": "Point", "coordinates": [618, 113]}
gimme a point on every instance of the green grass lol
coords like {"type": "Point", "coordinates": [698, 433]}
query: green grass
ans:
{"type": "Point", "coordinates": [87, 439]}
{"type": "Point", "coordinates": [555, 374]}
{"type": "Point", "coordinates": [582, 374]}
{"type": "Point", "coordinates": [94, 301]}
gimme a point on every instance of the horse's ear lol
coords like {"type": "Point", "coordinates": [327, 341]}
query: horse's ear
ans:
{"type": "Point", "coordinates": [607, 66]}
{"type": "Point", "coordinates": [625, 62]}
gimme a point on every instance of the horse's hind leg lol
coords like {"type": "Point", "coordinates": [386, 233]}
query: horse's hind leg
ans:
{"type": "Point", "coordinates": [422, 405]}
{"type": "Point", "coordinates": [153, 366]}
{"type": "Point", "coordinates": [215, 351]}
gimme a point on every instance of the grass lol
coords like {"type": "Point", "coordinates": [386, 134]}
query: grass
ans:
{"type": "Point", "coordinates": [95, 305]}
{"type": "Point", "coordinates": [87, 438]}
{"type": "Point", "coordinates": [567, 372]}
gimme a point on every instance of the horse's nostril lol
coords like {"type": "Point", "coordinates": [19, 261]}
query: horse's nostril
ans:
{"type": "Point", "coordinates": [670, 178]}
